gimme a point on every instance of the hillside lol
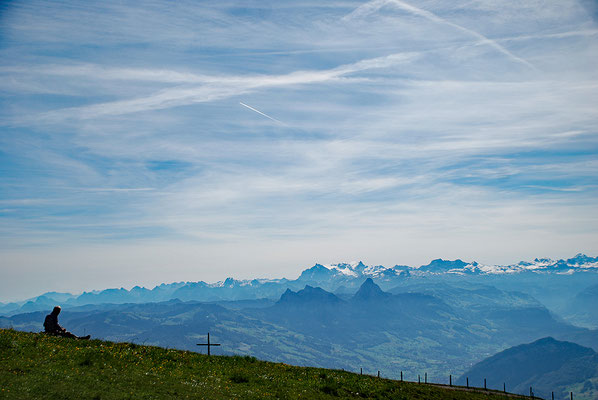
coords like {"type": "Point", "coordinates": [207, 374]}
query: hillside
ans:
{"type": "Point", "coordinates": [547, 365]}
{"type": "Point", "coordinates": [411, 332]}
{"type": "Point", "coordinates": [43, 367]}
{"type": "Point", "coordinates": [582, 309]}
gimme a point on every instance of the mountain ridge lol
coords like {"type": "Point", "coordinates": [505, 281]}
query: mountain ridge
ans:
{"type": "Point", "coordinates": [370, 292]}
{"type": "Point", "coordinates": [332, 276]}
{"type": "Point", "coordinates": [548, 365]}
{"type": "Point", "coordinates": [312, 326]}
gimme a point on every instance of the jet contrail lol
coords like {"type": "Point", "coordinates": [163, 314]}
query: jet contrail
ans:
{"type": "Point", "coordinates": [375, 5]}
{"type": "Point", "coordinates": [261, 113]}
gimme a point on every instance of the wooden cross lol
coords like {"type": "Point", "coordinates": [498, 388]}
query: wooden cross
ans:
{"type": "Point", "coordinates": [208, 344]}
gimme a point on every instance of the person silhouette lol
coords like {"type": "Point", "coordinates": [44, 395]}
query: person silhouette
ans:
{"type": "Point", "coordinates": [52, 327]}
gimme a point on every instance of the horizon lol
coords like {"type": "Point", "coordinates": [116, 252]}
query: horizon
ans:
{"type": "Point", "coordinates": [184, 142]}
{"type": "Point", "coordinates": [212, 283]}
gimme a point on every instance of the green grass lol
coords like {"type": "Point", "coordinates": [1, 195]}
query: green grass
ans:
{"type": "Point", "coordinates": [37, 366]}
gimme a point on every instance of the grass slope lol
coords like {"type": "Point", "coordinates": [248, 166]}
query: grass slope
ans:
{"type": "Point", "coordinates": [37, 366]}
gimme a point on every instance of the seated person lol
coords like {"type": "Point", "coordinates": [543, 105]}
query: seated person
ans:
{"type": "Point", "coordinates": [52, 326]}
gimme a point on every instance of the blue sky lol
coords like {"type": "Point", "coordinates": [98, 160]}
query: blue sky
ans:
{"type": "Point", "coordinates": [200, 140]}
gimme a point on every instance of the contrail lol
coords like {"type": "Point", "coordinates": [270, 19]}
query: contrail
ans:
{"type": "Point", "coordinates": [375, 5]}
{"type": "Point", "coordinates": [261, 113]}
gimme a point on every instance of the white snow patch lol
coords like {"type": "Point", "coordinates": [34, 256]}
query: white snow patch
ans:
{"type": "Point", "coordinates": [568, 272]}
{"type": "Point", "coordinates": [374, 270]}
{"type": "Point", "coordinates": [347, 269]}
{"type": "Point", "coordinates": [585, 266]}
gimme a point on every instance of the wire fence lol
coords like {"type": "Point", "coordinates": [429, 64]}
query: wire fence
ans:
{"type": "Point", "coordinates": [471, 388]}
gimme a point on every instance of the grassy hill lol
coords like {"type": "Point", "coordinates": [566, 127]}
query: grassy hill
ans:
{"type": "Point", "coordinates": [547, 364]}
{"type": "Point", "coordinates": [37, 366]}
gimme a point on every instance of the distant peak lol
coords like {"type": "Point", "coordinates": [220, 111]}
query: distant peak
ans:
{"type": "Point", "coordinates": [308, 295]}
{"type": "Point", "coordinates": [369, 291]}
{"type": "Point", "coordinates": [315, 273]}
{"type": "Point", "coordinates": [548, 339]}
{"type": "Point", "coordinates": [440, 265]}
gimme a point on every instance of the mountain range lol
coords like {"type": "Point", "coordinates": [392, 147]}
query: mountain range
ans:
{"type": "Point", "coordinates": [442, 330]}
{"type": "Point", "coordinates": [439, 319]}
{"type": "Point", "coordinates": [531, 277]}
{"type": "Point", "coordinates": [546, 365]}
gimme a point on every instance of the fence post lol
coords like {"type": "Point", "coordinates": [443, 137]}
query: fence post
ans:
{"type": "Point", "coordinates": [484, 383]}
{"type": "Point", "coordinates": [419, 379]}
{"type": "Point", "coordinates": [571, 395]}
{"type": "Point", "coordinates": [467, 382]}
{"type": "Point", "coordinates": [361, 371]}
{"type": "Point", "coordinates": [504, 387]}
{"type": "Point", "coordinates": [450, 380]}
{"type": "Point", "coordinates": [402, 377]}
{"type": "Point", "coordinates": [426, 377]}
{"type": "Point", "coordinates": [552, 395]}
{"type": "Point", "coordinates": [378, 374]}
{"type": "Point", "coordinates": [531, 394]}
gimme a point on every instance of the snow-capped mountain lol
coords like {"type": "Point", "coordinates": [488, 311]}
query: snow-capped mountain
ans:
{"type": "Point", "coordinates": [539, 265]}
{"type": "Point", "coordinates": [352, 270]}
{"type": "Point", "coordinates": [347, 270]}
{"type": "Point", "coordinates": [339, 278]}
{"type": "Point", "coordinates": [440, 266]}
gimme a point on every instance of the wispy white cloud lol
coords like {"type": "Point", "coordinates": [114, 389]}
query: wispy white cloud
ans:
{"type": "Point", "coordinates": [558, 189]}
{"type": "Point", "coordinates": [215, 88]}
{"type": "Point", "coordinates": [402, 121]}
{"type": "Point", "coordinates": [107, 189]}
{"type": "Point", "coordinates": [375, 5]}
{"type": "Point", "coordinates": [559, 35]}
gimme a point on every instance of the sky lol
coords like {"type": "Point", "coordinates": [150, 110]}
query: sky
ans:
{"type": "Point", "coordinates": [196, 140]}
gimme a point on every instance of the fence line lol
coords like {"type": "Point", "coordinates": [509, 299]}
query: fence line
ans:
{"type": "Point", "coordinates": [469, 388]}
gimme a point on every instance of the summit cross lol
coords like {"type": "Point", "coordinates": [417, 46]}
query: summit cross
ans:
{"type": "Point", "coordinates": [208, 344]}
